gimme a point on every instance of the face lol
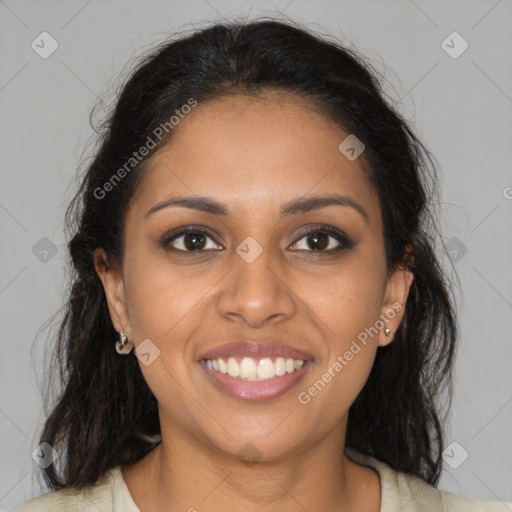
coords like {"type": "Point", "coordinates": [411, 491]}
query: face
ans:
{"type": "Point", "coordinates": [312, 279]}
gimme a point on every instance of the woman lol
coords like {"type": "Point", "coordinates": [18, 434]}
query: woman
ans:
{"type": "Point", "coordinates": [257, 318]}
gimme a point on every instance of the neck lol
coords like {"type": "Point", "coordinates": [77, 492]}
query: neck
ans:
{"type": "Point", "coordinates": [183, 474]}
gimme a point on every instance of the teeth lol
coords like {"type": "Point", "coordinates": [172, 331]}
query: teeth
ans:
{"type": "Point", "coordinates": [280, 366]}
{"type": "Point", "coordinates": [255, 369]}
{"type": "Point", "coordinates": [248, 368]}
{"type": "Point", "coordinates": [223, 367]}
{"type": "Point", "coordinates": [233, 367]}
{"type": "Point", "coordinates": [266, 369]}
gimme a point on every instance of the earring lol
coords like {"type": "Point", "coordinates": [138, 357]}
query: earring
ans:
{"type": "Point", "coordinates": [122, 346]}
{"type": "Point", "coordinates": [387, 332]}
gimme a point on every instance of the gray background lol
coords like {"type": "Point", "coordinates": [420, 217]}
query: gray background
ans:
{"type": "Point", "coordinates": [461, 107]}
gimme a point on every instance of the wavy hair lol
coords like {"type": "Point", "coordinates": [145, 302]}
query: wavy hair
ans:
{"type": "Point", "coordinates": [104, 413]}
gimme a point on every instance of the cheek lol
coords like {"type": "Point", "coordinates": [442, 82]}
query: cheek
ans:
{"type": "Point", "coordinates": [349, 305]}
{"type": "Point", "coordinates": [161, 302]}
{"type": "Point", "coordinates": [351, 337]}
{"type": "Point", "coordinates": [166, 309]}
{"type": "Point", "coordinates": [348, 301]}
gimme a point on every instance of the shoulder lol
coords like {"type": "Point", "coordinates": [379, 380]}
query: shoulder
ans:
{"type": "Point", "coordinates": [422, 496]}
{"type": "Point", "coordinates": [93, 498]}
{"type": "Point", "coordinates": [410, 493]}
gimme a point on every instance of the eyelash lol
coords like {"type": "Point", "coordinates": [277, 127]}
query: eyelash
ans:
{"type": "Point", "coordinates": [339, 236]}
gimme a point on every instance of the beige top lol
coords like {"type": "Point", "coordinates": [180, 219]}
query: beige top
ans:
{"type": "Point", "coordinates": [400, 492]}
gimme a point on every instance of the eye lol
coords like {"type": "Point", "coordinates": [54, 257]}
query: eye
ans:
{"type": "Point", "coordinates": [318, 238]}
{"type": "Point", "coordinates": [189, 239]}
{"type": "Point", "coordinates": [195, 239]}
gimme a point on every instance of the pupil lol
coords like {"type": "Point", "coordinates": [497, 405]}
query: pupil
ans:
{"type": "Point", "coordinates": [314, 238]}
{"type": "Point", "coordinates": [190, 241]}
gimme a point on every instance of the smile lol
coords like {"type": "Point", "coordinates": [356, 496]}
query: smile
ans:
{"type": "Point", "coordinates": [251, 369]}
{"type": "Point", "coordinates": [247, 378]}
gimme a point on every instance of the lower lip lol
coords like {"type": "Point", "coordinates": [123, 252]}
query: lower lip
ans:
{"type": "Point", "coordinates": [254, 390]}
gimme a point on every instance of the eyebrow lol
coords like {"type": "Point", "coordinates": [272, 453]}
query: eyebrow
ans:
{"type": "Point", "coordinates": [294, 207]}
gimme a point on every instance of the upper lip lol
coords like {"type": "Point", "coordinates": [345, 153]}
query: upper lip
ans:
{"type": "Point", "coordinates": [256, 349]}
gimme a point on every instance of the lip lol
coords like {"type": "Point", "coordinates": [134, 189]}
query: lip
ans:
{"type": "Point", "coordinates": [256, 349]}
{"type": "Point", "coordinates": [255, 391]}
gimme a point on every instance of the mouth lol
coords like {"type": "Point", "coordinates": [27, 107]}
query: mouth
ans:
{"type": "Point", "coordinates": [255, 371]}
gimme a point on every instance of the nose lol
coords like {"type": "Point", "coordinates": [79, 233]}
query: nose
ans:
{"type": "Point", "coordinates": [256, 291]}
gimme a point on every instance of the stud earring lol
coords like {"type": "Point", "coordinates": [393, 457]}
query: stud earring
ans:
{"type": "Point", "coordinates": [123, 347]}
{"type": "Point", "coordinates": [387, 332]}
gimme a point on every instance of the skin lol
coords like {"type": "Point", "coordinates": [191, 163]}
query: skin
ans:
{"type": "Point", "coordinates": [253, 155]}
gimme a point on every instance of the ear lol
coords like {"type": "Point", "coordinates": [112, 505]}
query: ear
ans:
{"type": "Point", "coordinates": [113, 284]}
{"type": "Point", "coordinates": [395, 297]}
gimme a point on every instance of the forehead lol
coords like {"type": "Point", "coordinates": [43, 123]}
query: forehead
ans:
{"type": "Point", "coordinates": [250, 152]}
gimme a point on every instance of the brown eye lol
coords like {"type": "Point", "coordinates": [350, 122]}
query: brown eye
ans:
{"type": "Point", "coordinates": [190, 239]}
{"type": "Point", "coordinates": [324, 239]}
